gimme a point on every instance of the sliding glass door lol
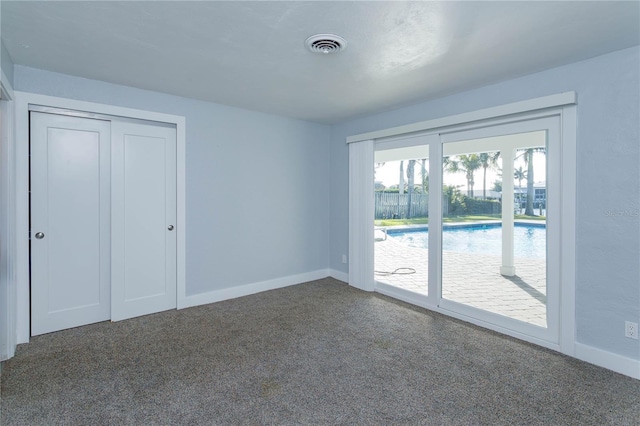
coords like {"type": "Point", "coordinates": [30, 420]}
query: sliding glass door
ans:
{"type": "Point", "coordinates": [468, 221]}
{"type": "Point", "coordinates": [499, 211]}
{"type": "Point", "coordinates": [401, 217]}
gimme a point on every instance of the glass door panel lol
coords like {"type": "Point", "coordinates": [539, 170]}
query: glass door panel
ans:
{"type": "Point", "coordinates": [494, 225]}
{"type": "Point", "coordinates": [401, 218]}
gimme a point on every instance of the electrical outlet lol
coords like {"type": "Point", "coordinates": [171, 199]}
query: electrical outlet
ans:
{"type": "Point", "coordinates": [631, 330]}
{"type": "Point", "coordinates": [344, 258]}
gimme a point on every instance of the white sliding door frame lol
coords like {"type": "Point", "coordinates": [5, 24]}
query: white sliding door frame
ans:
{"type": "Point", "coordinates": [550, 124]}
{"type": "Point", "coordinates": [23, 101]}
{"type": "Point", "coordinates": [432, 141]}
{"type": "Point", "coordinates": [562, 107]}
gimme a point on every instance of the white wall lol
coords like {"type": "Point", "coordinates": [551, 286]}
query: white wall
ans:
{"type": "Point", "coordinates": [608, 247]}
{"type": "Point", "coordinates": [257, 189]}
{"type": "Point", "coordinates": [6, 63]}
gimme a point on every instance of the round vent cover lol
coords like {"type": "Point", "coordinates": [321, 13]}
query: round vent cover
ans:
{"type": "Point", "coordinates": [326, 43]}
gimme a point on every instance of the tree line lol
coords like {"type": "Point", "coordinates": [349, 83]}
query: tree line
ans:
{"type": "Point", "coordinates": [469, 164]}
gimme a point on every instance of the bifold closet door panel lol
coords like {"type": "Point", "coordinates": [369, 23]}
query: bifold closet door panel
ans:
{"type": "Point", "coordinates": [143, 237]}
{"type": "Point", "coordinates": [70, 214]}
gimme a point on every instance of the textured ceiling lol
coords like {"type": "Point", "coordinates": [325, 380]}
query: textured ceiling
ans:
{"type": "Point", "coordinates": [252, 54]}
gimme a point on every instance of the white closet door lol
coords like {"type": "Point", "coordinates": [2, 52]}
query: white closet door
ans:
{"type": "Point", "coordinates": [69, 222]}
{"type": "Point", "coordinates": [143, 238]}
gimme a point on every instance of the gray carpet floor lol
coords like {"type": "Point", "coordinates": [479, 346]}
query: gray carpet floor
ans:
{"type": "Point", "coordinates": [316, 353]}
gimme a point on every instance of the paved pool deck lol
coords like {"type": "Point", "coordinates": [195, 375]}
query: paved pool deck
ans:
{"type": "Point", "coordinates": [472, 279]}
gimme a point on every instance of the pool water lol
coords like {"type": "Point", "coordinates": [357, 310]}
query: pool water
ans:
{"type": "Point", "coordinates": [529, 241]}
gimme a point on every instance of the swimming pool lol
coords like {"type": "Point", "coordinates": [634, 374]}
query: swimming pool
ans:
{"type": "Point", "coordinates": [530, 241]}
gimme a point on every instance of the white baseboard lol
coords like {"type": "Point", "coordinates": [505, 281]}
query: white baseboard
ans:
{"type": "Point", "coordinates": [618, 363]}
{"type": "Point", "coordinates": [338, 275]}
{"type": "Point", "coordinates": [245, 290]}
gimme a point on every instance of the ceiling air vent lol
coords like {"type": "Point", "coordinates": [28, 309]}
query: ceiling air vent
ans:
{"type": "Point", "coordinates": [326, 43]}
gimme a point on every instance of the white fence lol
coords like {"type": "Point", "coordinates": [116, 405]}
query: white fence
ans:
{"type": "Point", "coordinates": [392, 205]}
{"type": "Point", "coordinates": [389, 205]}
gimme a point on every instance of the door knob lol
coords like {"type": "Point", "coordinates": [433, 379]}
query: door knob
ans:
{"type": "Point", "coordinates": [170, 227]}
{"type": "Point", "coordinates": [39, 235]}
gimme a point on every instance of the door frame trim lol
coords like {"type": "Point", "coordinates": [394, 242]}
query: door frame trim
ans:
{"type": "Point", "coordinates": [22, 102]}
{"type": "Point", "coordinates": [469, 118]}
{"type": "Point", "coordinates": [7, 216]}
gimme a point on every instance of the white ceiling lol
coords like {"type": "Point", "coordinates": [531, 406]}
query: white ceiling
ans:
{"type": "Point", "coordinates": [252, 54]}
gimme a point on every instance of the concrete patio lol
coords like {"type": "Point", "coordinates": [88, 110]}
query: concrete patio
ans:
{"type": "Point", "coordinates": [469, 278]}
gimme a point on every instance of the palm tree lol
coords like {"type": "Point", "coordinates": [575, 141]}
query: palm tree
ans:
{"type": "Point", "coordinates": [527, 155]}
{"type": "Point", "coordinates": [375, 170]}
{"type": "Point", "coordinates": [400, 186]}
{"type": "Point", "coordinates": [487, 160]}
{"type": "Point", "coordinates": [468, 164]}
{"type": "Point", "coordinates": [519, 174]}
{"type": "Point", "coordinates": [528, 159]}
{"type": "Point", "coordinates": [425, 176]}
{"type": "Point", "coordinates": [410, 179]}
